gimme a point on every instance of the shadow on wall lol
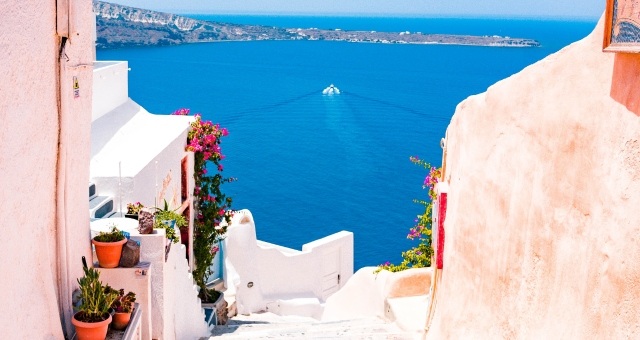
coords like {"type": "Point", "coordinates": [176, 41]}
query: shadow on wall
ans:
{"type": "Point", "coordinates": [626, 74]}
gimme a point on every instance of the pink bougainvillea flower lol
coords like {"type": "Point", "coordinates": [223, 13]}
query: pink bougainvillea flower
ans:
{"type": "Point", "coordinates": [181, 112]}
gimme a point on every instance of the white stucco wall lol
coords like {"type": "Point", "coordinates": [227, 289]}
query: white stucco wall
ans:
{"type": "Point", "coordinates": [137, 280]}
{"type": "Point", "coordinates": [110, 86]}
{"type": "Point", "coordinates": [185, 316]}
{"type": "Point", "coordinates": [144, 148]}
{"type": "Point", "coordinates": [174, 306]}
{"type": "Point", "coordinates": [44, 175]}
{"type": "Point", "coordinates": [400, 297]}
{"type": "Point", "coordinates": [259, 273]}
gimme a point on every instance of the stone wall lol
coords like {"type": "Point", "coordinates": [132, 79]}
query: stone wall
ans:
{"type": "Point", "coordinates": [543, 216]}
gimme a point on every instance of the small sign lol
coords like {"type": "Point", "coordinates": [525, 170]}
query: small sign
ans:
{"type": "Point", "coordinates": [76, 87]}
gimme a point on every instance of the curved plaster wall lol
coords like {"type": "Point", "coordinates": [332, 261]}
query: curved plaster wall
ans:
{"type": "Point", "coordinates": [543, 216]}
{"type": "Point", "coordinates": [267, 277]}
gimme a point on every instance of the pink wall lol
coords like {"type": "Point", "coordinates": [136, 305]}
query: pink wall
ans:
{"type": "Point", "coordinates": [44, 176]}
{"type": "Point", "coordinates": [543, 219]}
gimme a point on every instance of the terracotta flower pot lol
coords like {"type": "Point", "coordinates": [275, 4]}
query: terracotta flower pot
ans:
{"type": "Point", "coordinates": [91, 330]}
{"type": "Point", "coordinates": [109, 252]}
{"type": "Point", "coordinates": [121, 321]}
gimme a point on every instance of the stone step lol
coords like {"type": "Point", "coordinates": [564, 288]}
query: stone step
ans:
{"type": "Point", "coordinates": [309, 307]}
{"type": "Point", "coordinates": [271, 326]}
{"type": "Point", "coordinates": [100, 206]}
{"type": "Point", "coordinates": [408, 312]}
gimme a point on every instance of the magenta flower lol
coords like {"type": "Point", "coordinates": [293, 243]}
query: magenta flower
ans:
{"type": "Point", "coordinates": [181, 112]}
{"type": "Point", "coordinates": [413, 234]}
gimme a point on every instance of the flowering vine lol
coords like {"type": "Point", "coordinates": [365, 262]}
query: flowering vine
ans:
{"type": "Point", "coordinates": [420, 255]}
{"type": "Point", "coordinates": [212, 206]}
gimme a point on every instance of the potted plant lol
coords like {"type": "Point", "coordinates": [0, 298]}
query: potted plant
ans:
{"type": "Point", "coordinates": [93, 318]}
{"type": "Point", "coordinates": [133, 209]}
{"type": "Point", "coordinates": [123, 307]}
{"type": "Point", "coordinates": [215, 312]}
{"type": "Point", "coordinates": [109, 247]}
{"type": "Point", "coordinates": [169, 220]}
{"type": "Point", "coordinates": [165, 218]}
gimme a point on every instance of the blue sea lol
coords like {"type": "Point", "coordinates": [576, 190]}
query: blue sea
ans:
{"type": "Point", "coordinates": [310, 165]}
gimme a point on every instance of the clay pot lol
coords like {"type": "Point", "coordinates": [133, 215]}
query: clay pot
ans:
{"type": "Point", "coordinates": [120, 321]}
{"type": "Point", "coordinates": [91, 330]}
{"type": "Point", "coordinates": [109, 252]}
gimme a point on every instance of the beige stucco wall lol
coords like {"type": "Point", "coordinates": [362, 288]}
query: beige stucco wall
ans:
{"type": "Point", "coordinates": [44, 178]}
{"type": "Point", "coordinates": [543, 220]}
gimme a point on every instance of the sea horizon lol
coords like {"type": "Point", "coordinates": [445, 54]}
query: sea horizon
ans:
{"type": "Point", "coordinates": [563, 18]}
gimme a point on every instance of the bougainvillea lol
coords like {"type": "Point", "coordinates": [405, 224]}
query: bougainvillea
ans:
{"type": "Point", "coordinates": [420, 255]}
{"type": "Point", "coordinates": [212, 206]}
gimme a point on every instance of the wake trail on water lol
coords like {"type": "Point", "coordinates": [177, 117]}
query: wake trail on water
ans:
{"type": "Point", "coordinates": [265, 108]}
{"type": "Point", "coordinates": [399, 107]}
{"type": "Point", "coordinates": [234, 116]}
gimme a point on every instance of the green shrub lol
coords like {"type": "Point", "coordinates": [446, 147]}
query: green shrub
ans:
{"type": "Point", "coordinates": [96, 298]}
{"type": "Point", "coordinates": [114, 235]}
{"type": "Point", "coordinates": [166, 214]}
{"type": "Point", "coordinates": [420, 255]}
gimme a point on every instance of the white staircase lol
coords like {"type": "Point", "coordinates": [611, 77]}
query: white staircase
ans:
{"type": "Point", "coordinates": [181, 296]}
{"type": "Point", "coordinates": [272, 326]}
{"type": "Point", "coordinates": [99, 206]}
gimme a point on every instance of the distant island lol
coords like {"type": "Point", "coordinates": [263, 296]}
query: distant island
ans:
{"type": "Point", "coordinates": [122, 26]}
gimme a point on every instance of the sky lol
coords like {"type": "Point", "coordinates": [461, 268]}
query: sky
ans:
{"type": "Point", "coordinates": [579, 9]}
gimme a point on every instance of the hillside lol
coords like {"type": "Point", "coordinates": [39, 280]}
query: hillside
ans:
{"type": "Point", "coordinates": [119, 26]}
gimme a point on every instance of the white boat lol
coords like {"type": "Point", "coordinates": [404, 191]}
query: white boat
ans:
{"type": "Point", "coordinates": [331, 90]}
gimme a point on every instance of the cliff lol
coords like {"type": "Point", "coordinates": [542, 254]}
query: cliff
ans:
{"type": "Point", "coordinates": [543, 206]}
{"type": "Point", "coordinates": [118, 26]}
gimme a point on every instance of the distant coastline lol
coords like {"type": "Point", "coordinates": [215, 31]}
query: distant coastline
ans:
{"type": "Point", "coordinates": [122, 26]}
